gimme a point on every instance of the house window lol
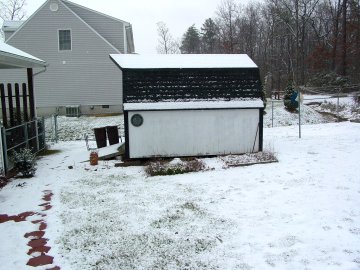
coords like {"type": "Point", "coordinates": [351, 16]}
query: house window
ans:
{"type": "Point", "coordinates": [64, 40]}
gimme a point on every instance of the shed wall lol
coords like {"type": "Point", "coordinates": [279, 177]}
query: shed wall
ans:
{"type": "Point", "coordinates": [194, 133]}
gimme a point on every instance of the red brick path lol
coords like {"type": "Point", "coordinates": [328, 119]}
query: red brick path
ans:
{"type": "Point", "coordinates": [38, 248]}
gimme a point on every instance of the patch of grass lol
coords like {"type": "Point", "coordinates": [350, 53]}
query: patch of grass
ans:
{"type": "Point", "coordinates": [156, 168]}
{"type": "Point", "coordinates": [49, 152]}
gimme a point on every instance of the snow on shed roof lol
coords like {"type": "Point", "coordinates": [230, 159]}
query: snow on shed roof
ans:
{"type": "Point", "coordinates": [193, 105]}
{"type": "Point", "coordinates": [11, 57]}
{"type": "Point", "coordinates": [163, 61]}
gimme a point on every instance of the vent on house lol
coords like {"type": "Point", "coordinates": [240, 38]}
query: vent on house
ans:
{"type": "Point", "coordinates": [54, 7]}
{"type": "Point", "coordinates": [73, 111]}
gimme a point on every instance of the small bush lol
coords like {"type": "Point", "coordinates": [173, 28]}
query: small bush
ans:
{"type": "Point", "coordinates": [290, 105]}
{"type": "Point", "coordinates": [25, 162]}
{"type": "Point", "coordinates": [356, 100]}
{"type": "Point", "coordinates": [163, 168]}
{"type": "Point", "coordinates": [3, 182]}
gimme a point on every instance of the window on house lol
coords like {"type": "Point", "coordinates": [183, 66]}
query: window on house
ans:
{"type": "Point", "coordinates": [64, 40]}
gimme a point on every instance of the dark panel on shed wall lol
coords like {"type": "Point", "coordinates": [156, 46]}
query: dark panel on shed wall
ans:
{"type": "Point", "coordinates": [155, 85]}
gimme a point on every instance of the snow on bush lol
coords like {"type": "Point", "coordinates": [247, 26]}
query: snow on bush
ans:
{"type": "Point", "coordinates": [3, 182]}
{"type": "Point", "coordinates": [25, 162]}
{"type": "Point", "coordinates": [177, 166]}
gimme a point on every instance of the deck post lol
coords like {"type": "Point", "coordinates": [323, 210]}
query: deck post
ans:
{"type": "Point", "coordinates": [31, 93]}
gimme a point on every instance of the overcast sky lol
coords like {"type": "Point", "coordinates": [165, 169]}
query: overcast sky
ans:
{"type": "Point", "coordinates": [144, 14]}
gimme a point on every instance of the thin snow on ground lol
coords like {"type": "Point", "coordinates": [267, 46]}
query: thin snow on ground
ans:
{"type": "Point", "coordinates": [299, 213]}
{"type": "Point", "coordinates": [345, 106]}
{"type": "Point", "coordinates": [74, 128]}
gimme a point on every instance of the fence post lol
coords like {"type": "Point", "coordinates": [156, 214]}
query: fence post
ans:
{"type": "Point", "coordinates": [37, 134]}
{"type": "Point", "coordinates": [43, 131]}
{"type": "Point", "coordinates": [2, 171]}
{"type": "Point", "coordinates": [4, 149]}
{"type": "Point", "coordinates": [56, 128]}
{"type": "Point", "coordinates": [26, 134]}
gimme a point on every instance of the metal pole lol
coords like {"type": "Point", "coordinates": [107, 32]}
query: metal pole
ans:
{"type": "Point", "coordinates": [26, 135]}
{"type": "Point", "coordinates": [6, 159]}
{"type": "Point", "coordinates": [272, 112]}
{"type": "Point", "coordinates": [3, 153]}
{"type": "Point", "coordinates": [337, 105]}
{"type": "Point", "coordinates": [299, 94]}
{"type": "Point", "coordinates": [37, 134]}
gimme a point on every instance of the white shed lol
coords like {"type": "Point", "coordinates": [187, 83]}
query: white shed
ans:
{"type": "Point", "coordinates": [191, 105]}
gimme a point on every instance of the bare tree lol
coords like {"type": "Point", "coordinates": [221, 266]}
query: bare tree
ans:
{"type": "Point", "coordinates": [343, 70]}
{"type": "Point", "coordinates": [307, 41]}
{"type": "Point", "coordinates": [167, 44]}
{"type": "Point", "coordinates": [227, 16]}
{"type": "Point", "coordinates": [12, 9]}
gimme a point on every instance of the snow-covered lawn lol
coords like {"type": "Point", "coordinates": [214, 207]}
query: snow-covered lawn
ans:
{"type": "Point", "coordinates": [300, 213]}
{"type": "Point", "coordinates": [347, 107]}
{"type": "Point", "coordinates": [277, 116]}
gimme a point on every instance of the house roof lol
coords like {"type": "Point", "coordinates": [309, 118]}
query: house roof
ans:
{"type": "Point", "coordinates": [11, 57]}
{"type": "Point", "coordinates": [68, 4]}
{"type": "Point", "coordinates": [11, 25]}
{"type": "Point", "coordinates": [97, 12]}
{"type": "Point", "coordinates": [170, 61]}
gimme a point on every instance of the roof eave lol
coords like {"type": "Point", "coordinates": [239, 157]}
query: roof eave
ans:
{"type": "Point", "coordinates": [8, 60]}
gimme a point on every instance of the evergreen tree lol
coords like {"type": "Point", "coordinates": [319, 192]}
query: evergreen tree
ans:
{"type": "Point", "coordinates": [209, 36]}
{"type": "Point", "coordinates": [190, 43]}
{"type": "Point", "coordinates": [289, 97]}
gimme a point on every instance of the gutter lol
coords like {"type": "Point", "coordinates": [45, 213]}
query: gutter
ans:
{"type": "Point", "coordinates": [41, 71]}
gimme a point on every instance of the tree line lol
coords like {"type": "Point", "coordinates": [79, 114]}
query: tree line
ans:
{"type": "Point", "coordinates": [307, 41]}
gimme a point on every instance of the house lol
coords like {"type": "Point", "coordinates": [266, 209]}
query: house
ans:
{"type": "Point", "coordinates": [76, 42]}
{"type": "Point", "coordinates": [191, 105]}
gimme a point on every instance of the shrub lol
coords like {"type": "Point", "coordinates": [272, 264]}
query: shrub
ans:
{"type": "Point", "coordinates": [25, 162]}
{"type": "Point", "coordinates": [290, 105]}
{"type": "Point", "coordinates": [164, 168]}
{"type": "Point", "coordinates": [356, 100]}
{"type": "Point", "coordinates": [3, 182]}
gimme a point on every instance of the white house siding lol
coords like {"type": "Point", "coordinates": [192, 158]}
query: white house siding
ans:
{"type": "Point", "coordinates": [85, 75]}
{"type": "Point", "coordinates": [194, 132]}
{"type": "Point", "coordinates": [109, 28]}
